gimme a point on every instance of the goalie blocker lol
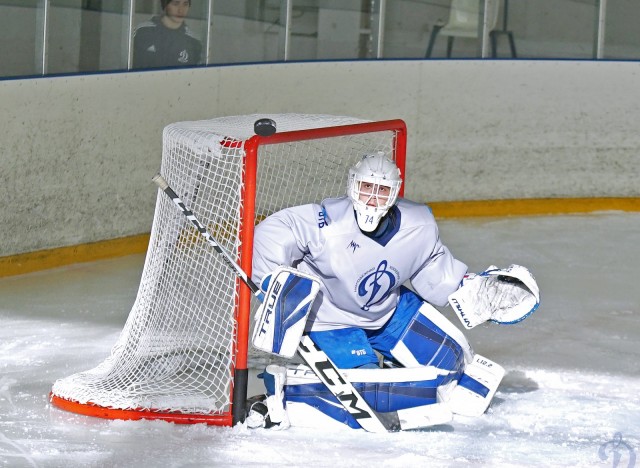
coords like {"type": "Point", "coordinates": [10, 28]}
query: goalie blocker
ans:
{"type": "Point", "coordinates": [281, 318]}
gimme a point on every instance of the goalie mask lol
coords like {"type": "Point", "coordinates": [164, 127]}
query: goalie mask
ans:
{"type": "Point", "coordinates": [373, 187]}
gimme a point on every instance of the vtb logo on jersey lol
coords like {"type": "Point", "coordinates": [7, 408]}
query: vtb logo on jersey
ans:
{"type": "Point", "coordinates": [376, 284]}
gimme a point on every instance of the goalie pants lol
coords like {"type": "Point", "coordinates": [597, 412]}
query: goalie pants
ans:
{"type": "Point", "coordinates": [350, 348]}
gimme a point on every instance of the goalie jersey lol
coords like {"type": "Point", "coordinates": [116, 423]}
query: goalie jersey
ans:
{"type": "Point", "coordinates": [360, 273]}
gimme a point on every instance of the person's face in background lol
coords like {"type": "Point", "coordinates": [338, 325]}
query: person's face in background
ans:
{"type": "Point", "coordinates": [175, 12]}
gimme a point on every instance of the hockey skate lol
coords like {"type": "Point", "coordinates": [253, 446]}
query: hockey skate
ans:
{"type": "Point", "coordinates": [268, 410]}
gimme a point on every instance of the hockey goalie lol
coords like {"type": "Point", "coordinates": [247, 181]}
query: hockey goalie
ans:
{"type": "Point", "coordinates": [356, 278]}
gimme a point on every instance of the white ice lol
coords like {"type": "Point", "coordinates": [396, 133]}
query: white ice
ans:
{"type": "Point", "coordinates": [569, 398]}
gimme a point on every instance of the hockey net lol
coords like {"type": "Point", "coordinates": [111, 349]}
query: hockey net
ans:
{"type": "Point", "coordinates": [182, 355]}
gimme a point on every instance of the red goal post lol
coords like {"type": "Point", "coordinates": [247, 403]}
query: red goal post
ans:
{"type": "Point", "coordinates": [183, 354]}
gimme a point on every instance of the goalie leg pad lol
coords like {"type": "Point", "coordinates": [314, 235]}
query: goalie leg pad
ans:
{"type": "Point", "coordinates": [413, 393]}
{"type": "Point", "coordinates": [429, 339]}
{"type": "Point", "coordinates": [476, 387]}
{"type": "Point", "coordinates": [281, 318]}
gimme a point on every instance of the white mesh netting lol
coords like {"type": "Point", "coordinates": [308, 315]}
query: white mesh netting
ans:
{"type": "Point", "coordinates": [176, 351]}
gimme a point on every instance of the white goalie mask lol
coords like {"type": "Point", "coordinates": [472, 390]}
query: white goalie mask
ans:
{"type": "Point", "coordinates": [373, 186]}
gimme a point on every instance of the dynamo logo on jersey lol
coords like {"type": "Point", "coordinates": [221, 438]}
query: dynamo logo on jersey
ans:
{"type": "Point", "coordinates": [376, 284]}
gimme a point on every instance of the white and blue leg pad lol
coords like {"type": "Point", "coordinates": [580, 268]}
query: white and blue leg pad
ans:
{"type": "Point", "coordinates": [476, 387]}
{"type": "Point", "coordinates": [410, 392]}
{"type": "Point", "coordinates": [281, 318]}
{"type": "Point", "coordinates": [431, 340]}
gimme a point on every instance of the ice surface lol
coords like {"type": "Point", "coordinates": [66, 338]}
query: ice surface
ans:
{"type": "Point", "coordinates": [569, 398]}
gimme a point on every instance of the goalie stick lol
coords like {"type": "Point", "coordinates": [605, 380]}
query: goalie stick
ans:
{"type": "Point", "coordinates": [369, 419]}
{"type": "Point", "coordinates": [164, 186]}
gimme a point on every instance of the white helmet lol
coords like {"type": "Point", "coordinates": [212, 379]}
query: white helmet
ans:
{"type": "Point", "coordinates": [373, 186]}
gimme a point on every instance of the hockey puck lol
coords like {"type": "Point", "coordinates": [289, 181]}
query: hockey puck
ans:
{"type": "Point", "coordinates": [264, 127]}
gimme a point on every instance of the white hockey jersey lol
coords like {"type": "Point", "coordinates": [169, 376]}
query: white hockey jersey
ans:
{"type": "Point", "coordinates": [360, 275]}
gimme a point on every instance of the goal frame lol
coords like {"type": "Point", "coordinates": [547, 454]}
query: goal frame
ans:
{"type": "Point", "coordinates": [242, 317]}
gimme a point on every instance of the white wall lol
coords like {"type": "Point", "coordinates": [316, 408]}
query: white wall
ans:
{"type": "Point", "coordinates": [77, 153]}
